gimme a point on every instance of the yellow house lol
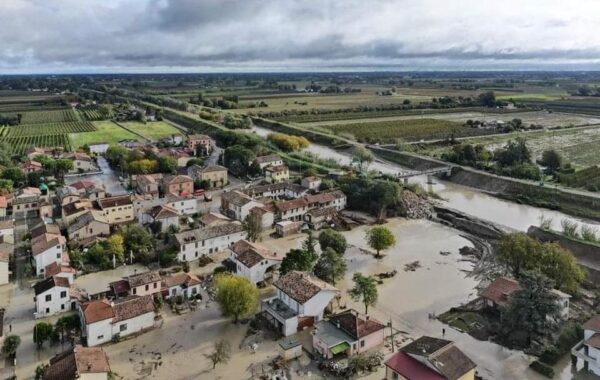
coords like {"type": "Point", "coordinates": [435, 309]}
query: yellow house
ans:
{"type": "Point", "coordinates": [430, 358]}
{"type": "Point", "coordinates": [216, 175]}
{"type": "Point", "coordinates": [276, 174]}
{"type": "Point", "coordinates": [117, 209]}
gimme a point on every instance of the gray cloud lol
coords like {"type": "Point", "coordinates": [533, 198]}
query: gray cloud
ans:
{"type": "Point", "coordinates": [253, 35]}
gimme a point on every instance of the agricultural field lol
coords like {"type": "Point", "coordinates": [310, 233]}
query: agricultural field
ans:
{"type": "Point", "coordinates": [22, 137]}
{"type": "Point", "coordinates": [95, 114]}
{"type": "Point", "coordinates": [544, 118]}
{"type": "Point", "coordinates": [406, 129]}
{"type": "Point", "coordinates": [20, 144]}
{"type": "Point", "coordinates": [47, 116]}
{"type": "Point", "coordinates": [155, 130]}
{"type": "Point", "coordinates": [579, 146]}
{"type": "Point", "coordinates": [106, 132]}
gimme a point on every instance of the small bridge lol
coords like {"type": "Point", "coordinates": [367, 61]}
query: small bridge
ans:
{"type": "Point", "coordinates": [406, 174]}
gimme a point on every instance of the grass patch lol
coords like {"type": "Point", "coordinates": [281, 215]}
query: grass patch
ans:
{"type": "Point", "coordinates": [469, 322]}
{"type": "Point", "coordinates": [155, 130]}
{"type": "Point", "coordinates": [107, 132]}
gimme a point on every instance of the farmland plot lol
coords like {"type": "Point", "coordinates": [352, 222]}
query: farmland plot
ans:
{"type": "Point", "coordinates": [47, 116]}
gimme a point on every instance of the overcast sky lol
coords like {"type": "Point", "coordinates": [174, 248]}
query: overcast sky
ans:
{"type": "Point", "coordinates": [53, 36]}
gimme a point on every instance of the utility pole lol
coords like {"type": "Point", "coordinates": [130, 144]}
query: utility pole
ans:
{"type": "Point", "coordinates": [392, 334]}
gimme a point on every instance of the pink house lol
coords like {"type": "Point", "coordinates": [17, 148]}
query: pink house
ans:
{"type": "Point", "coordinates": [346, 334]}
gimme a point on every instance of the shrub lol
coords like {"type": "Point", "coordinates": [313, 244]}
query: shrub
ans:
{"type": "Point", "coordinates": [569, 228]}
{"type": "Point", "coordinates": [550, 355]}
{"type": "Point", "coordinates": [589, 233]}
{"type": "Point", "coordinates": [542, 369]}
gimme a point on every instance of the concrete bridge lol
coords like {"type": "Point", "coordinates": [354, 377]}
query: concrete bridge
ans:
{"type": "Point", "coordinates": [406, 174]}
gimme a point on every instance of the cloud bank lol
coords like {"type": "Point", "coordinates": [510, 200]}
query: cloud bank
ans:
{"type": "Point", "coordinates": [294, 35]}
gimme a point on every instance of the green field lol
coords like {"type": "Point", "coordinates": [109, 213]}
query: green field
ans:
{"type": "Point", "coordinates": [154, 130]}
{"type": "Point", "coordinates": [107, 132]}
{"type": "Point", "coordinates": [49, 129]}
{"type": "Point", "coordinates": [409, 130]}
{"type": "Point", "coordinates": [47, 116]}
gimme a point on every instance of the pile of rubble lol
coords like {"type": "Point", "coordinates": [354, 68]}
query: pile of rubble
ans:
{"type": "Point", "coordinates": [414, 206]}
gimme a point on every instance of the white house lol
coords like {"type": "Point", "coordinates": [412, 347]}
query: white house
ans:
{"type": "Point", "coordinates": [101, 320]}
{"type": "Point", "coordinates": [183, 205]}
{"type": "Point", "coordinates": [254, 261]}
{"type": "Point", "coordinates": [47, 248]}
{"type": "Point", "coordinates": [181, 284]}
{"type": "Point", "coordinates": [300, 302]}
{"type": "Point", "coordinates": [52, 296]}
{"type": "Point", "coordinates": [7, 231]}
{"type": "Point", "coordinates": [195, 243]}
{"type": "Point", "coordinates": [80, 363]}
{"type": "Point", "coordinates": [588, 349]}
{"type": "Point", "coordinates": [237, 205]}
{"type": "Point", "coordinates": [60, 270]}
{"type": "Point", "coordinates": [312, 182]}
{"type": "Point", "coordinates": [279, 190]}
{"type": "Point", "coordinates": [268, 160]}
{"type": "Point", "coordinates": [164, 216]}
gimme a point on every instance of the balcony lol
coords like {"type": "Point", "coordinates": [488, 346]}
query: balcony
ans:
{"type": "Point", "coordinates": [278, 309]}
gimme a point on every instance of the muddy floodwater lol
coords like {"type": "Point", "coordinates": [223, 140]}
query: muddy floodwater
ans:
{"type": "Point", "coordinates": [459, 197]}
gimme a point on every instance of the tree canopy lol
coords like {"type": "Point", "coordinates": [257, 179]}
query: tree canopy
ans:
{"type": "Point", "coordinates": [364, 290]}
{"type": "Point", "coordinates": [380, 238]}
{"type": "Point", "coordinates": [236, 295]}
{"type": "Point", "coordinates": [330, 266]}
{"type": "Point", "coordinates": [330, 238]}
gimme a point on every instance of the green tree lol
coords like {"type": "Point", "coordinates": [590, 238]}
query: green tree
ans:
{"type": "Point", "coordinates": [330, 238]}
{"type": "Point", "coordinates": [298, 259]}
{"type": "Point", "coordinates": [309, 244]}
{"type": "Point", "coordinates": [236, 296]}
{"type": "Point", "coordinates": [39, 371]}
{"type": "Point", "coordinates": [364, 290]}
{"type": "Point", "coordinates": [560, 266]}
{"type": "Point", "coordinates": [487, 99]}
{"type": "Point", "coordinates": [138, 240]}
{"type": "Point", "coordinates": [42, 332]}
{"type": "Point", "coordinates": [552, 160]}
{"type": "Point", "coordinates": [380, 238]}
{"type": "Point", "coordinates": [10, 345]}
{"type": "Point", "coordinates": [62, 167]}
{"type": "Point", "coordinates": [115, 246]}
{"type": "Point", "coordinates": [519, 253]}
{"type": "Point", "coordinates": [221, 353]}
{"type": "Point", "coordinates": [6, 186]}
{"type": "Point", "coordinates": [34, 179]}
{"type": "Point", "coordinates": [533, 310]}
{"type": "Point", "coordinates": [362, 157]}
{"type": "Point", "coordinates": [330, 267]}
{"type": "Point", "coordinates": [167, 164]}
{"type": "Point", "coordinates": [253, 226]}
{"type": "Point", "coordinates": [15, 174]}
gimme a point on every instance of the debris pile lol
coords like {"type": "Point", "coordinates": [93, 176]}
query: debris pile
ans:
{"type": "Point", "coordinates": [414, 206]}
{"type": "Point", "coordinates": [385, 275]}
{"type": "Point", "coordinates": [411, 267]}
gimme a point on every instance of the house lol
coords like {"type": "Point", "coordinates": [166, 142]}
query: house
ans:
{"type": "Point", "coordinates": [265, 215]}
{"type": "Point", "coordinates": [199, 242]}
{"type": "Point", "coordinates": [287, 227]}
{"type": "Point", "coordinates": [81, 162]}
{"type": "Point", "coordinates": [432, 359]}
{"type": "Point", "coordinates": [5, 253]}
{"type": "Point", "coordinates": [334, 198]}
{"type": "Point", "coordinates": [79, 363]}
{"type": "Point", "coordinates": [320, 217]}
{"type": "Point", "coordinates": [48, 248]}
{"type": "Point", "coordinates": [282, 190]}
{"type": "Point", "coordinates": [178, 185]}
{"type": "Point", "coordinates": [52, 296]}
{"type": "Point", "coordinates": [269, 160]}
{"type": "Point", "coordinates": [183, 205]}
{"type": "Point", "coordinates": [213, 219]}
{"type": "Point", "coordinates": [164, 216]}
{"type": "Point", "coordinates": [300, 302]}
{"type": "Point", "coordinates": [139, 284]}
{"type": "Point", "coordinates": [26, 203]}
{"type": "Point", "coordinates": [101, 320]}
{"type": "Point", "coordinates": [276, 174]}
{"type": "Point", "coordinates": [60, 270]}
{"type": "Point", "coordinates": [148, 184]}
{"type": "Point", "coordinates": [7, 231]}
{"type": "Point", "coordinates": [588, 349]}
{"type": "Point", "coordinates": [311, 183]}
{"type": "Point", "coordinates": [67, 194]}
{"type": "Point", "coordinates": [179, 155]}
{"type": "Point", "coordinates": [117, 209]}
{"type": "Point", "coordinates": [71, 211]}
{"type": "Point", "coordinates": [89, 189]}
{"type": "Point", "coordinates": [497, 295]}
{"type": "Point", "coordinates": [292, 210]}
{"type": "Point", "coordinates": [181, 284]}
{"type": "Point", "coordinates": [237, 205]}
{"type": "Point", "coordinates": [89, 224]}
{"type": "Point", "coordinates": [31, 166]}
{"type": "Point", "coordinates": [254, 261]}
{"type": "Point", "coordinates": [199, 144]}
{"type": "Point", "coordinates": [3, 206]}
{"type": "Point", "coordinates": [347, 333]}
{"type": "Point", "coordinates": [215, 175]}
{"type": "Point", "coordinates": [99, 148]}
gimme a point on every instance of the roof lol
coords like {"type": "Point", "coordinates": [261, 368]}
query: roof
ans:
{"type": "Point", "coordinates": [71, 364]}
{"type": "Point", "coordinates": [97, 310]}
{"type": "Point", "coordinates": [83, 184]}
{"type": "Point", "coordinates": [44, 228]}
{"type": "Point", "coordinates": [175, 179]}
{"type": "Point", "coordinates": [250, 254]}
{"type": "Point", "coordinates": [411, 368]}
{"type": "Point", "coordinates": [311, 178]}
{"type": "Point", "coordinates": [593, 324]}
{"type": "Point", "coordinates": [425, 346]}
{"type": "Point", "coordinates": [213, 217]}
{"type": "Point", "coordinates": [3, 202]}
{"type": "Point", "coordinates": [291, 205]}
{"type": "Point", "coordinates": [272, 187]}
{"type": "Point", "coordinates": [593, 341]}
{"type": "Point", "coordinates": [131, 307]}
{"type": "Point", "coordinates": [85, 219]}
{"type": "Point", "coordinates": [42, 243]}
{"type": "Point", "coordinates": [140, 279]}
{"type": "Point", "coordinates": [55, 268]}
{"type": "Point", "coordinates": [325, 197]}
{"type": "Point", "coordinates": [268, 158]}
{"type": "Point", "coordinates": [323, 211]}
{"type": "Point", "coordinates": [208, 232]}
{"type": "Point", "coordinates": [277, 168]}
{"type": "Point", "coordinates": [119, 200]}
{"type": "Point", "coordinates": [162, 212]}
{"type": "Point", "coordinates": [76, 207]}
{"type": "Point", "coordinates": [355, 325]}
{"type": "Point", "coordinates": [214, 168]}
{"type": "Point", "coordinates": [49, 283]}
{"type": "Point", "coordinates": [198, 137]}
{"type": "Point", "coordinates": [302, 286]}
{"type": "Point", "coordinates": [500, 290]}
{"type": "Point", "coordinates": [236, 198]}
{"type": "Point", "coordinates": [181, 279]}
{"type": "Point", "coordinates": [146, 179]}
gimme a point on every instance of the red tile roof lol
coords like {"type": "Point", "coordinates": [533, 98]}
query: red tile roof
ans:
{"type": "Point", "coordinates": [593, 324]}
{"type": "Point", "coordinates": [97, 310]}
{"type": "Point", "coordinates": [500, 290]}
{"type": "Point", "coordinates": [71, 364]}
{"type": "Point", "coordinates": [411, 369]}
{"type": "Point", "coordinates": [355, 325]}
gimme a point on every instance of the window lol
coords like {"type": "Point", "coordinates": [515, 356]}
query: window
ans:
{"type": "Point", "coordinates": [48, 297]}
{"type": "Point", "coordinates": [362, 343]}
{"type": "Point", "coordinates": [147, 287]}
{"type": "Point", "coordinates": [134, 290]}
{"type": "Point", "coordinates": [155, 285]}
{"type": "Point", "coordinates": [63, 294]}
{"type": "Point", "coordinates": [100, 337]}
{"type": "Point", "coordinates": [123, 327]}
{"type": "Point", "coordinates": [395, 376]}
{"type": "Point", "coordinates": [58, 255]}
{"type": "Point", "coordinates": [62, 307]}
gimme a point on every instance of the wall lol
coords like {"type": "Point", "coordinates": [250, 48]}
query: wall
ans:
{"type": "Point", "coordinates": [408, 160]}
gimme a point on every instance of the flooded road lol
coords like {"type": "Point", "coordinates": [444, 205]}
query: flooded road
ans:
{"type": "Point", "coordinates": [459, 197]}
{"type": "Point", "coordinates": [109, 178]}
